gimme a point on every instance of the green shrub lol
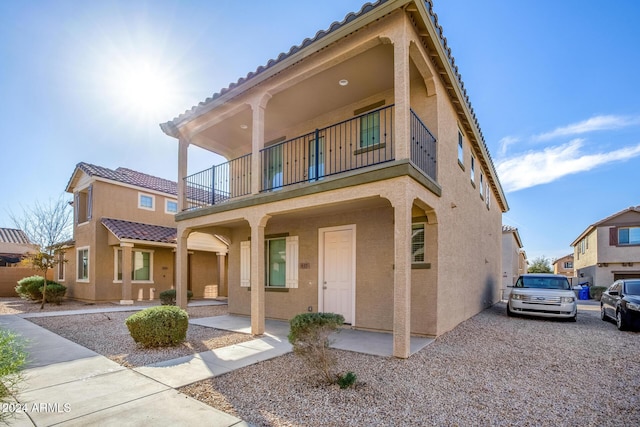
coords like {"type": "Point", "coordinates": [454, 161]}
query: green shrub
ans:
{"type": "Point", "coordinates": [347, 380]}
{"type": "Point", "coordinates": [55, 292]}
{"type": "Point", "coordinates": [309, 336]}
{"type": "Point", "coordinates": [168, 297]}
{"type": "Point", "coordinates": [158, 326]}
{"type": "Point", "coordinates": [29, 288]}
{"type": "Point", "coordinates": [595, 292]}
{"type": "Point", "coordinates": [12, 358]}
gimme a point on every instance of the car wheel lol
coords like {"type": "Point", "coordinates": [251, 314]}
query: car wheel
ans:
{"type": "Point", "coordinates": [509, 312]}
{"type": "Point", "coordinates": [620, 323]}
{"type": "Point", "coordinates": [603, 314]}
{"type": "Point", "coordinates": [574, 318]}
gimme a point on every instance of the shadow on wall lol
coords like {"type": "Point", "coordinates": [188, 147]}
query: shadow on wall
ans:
{"type": "Point", "coordinates": [490, 293]}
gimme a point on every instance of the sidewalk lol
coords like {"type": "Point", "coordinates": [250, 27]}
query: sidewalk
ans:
{"type": "Point", "coordinates": [69, 385]}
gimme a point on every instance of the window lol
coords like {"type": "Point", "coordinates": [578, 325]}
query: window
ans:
{"type": "Point", "coordinates": [460, 148]}
{"type": "Point", "coordinates": [83, 265]}
{"type": "Point", "coordinates": [273, 171]}
{"type": "Point", "coordinates": [629, 236]}
{"type": "Point", "coordinates": [146, 201]}
{"type": "Point", "coordinates": [473, 169]}
{"type": "Point", "coordinates": [481, 184]}
{"type": "Point", "coordinates": [487, 195]}
{"type": "Point", "coordinates": [141, 264]}
{"type": "Point", "coordinates": [170, 206]}
{"type": "Point", "coordinates": [568, 264]}
{"type": "Point", "coordinates": [83, 205]}
{"type": "Point", "coordinates": [370, 129]}
{"type": "Point", "coordinates": [60, 270]}
{"type": "Point", "coordinates": [417, 243]}
{"type": "Point", "coordinates": [281, 259]}
{"type": "Point", "coordinates": [319, 150]}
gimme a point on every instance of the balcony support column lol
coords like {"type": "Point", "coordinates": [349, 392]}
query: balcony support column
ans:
{"type": "Point", "coordinates": [258, 224]}
{"type": "Point", "coordinates": [126, 298]}
{"type": "Point", "coordinates": [182, 268]}
{"type": "Point", "coordinates": [402, 92]}
{"type": "Point", "coordinates": [183, 149]}
{"type": "Point", "coordinates": [257, 141]}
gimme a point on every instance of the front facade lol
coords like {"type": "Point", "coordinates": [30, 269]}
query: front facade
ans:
{"type": "Point", "coordinates": [564, 266]}
{"type": "Point", "coordinates": [124, 240]}
{"type": "Point", "coordinates": [609, 250]}
{"type": "Point", "coordinates": [358, 181]}
{"type": "Point", "coordinates": [514, 258]}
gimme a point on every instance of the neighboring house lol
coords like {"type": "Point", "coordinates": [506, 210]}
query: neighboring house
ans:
{"type": "Point", "coordinates": [514, 258]}
{"type": "Point", "coordinates": [14, 248]}
{"type": "Point", "coordinates": [124, 239]}
{"type": "Point", "coordinates": [564, 266]}
{"type": "Point", "coordinates": [609, 249]}
{"type": "Point", "coordinates": [358, 181]}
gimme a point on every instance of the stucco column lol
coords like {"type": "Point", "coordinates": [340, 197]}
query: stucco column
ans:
{"type": "Point", "coordinates": [182, 268]}
{"type": "Point", "coordinates": [257, 144]}
{"type": "Point", "coordinates": [126, 273]}
{"type": "Point", "coordinates": [222, 274]}
{"type": "Point", "coordinates": [402, 92]}
{"type": "Point", "coordinates": [183, 149]}
{"type": "Point", "coordinates": [258, 224]}
{"type": "Point", "coordinates": [402, 204]}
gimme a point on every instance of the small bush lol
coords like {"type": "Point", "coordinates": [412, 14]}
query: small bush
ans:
{"type": "Point", "coordinates": [595, 292]}
{"type": "Point", "coordinates": [161, 326]}
{"type": "Point", "coordinates": [12, 358]}
{"type": "Point", "coordinates": [55, 292]}
{"type": "Point", "coordinates": [347, 380]}
{"type": "Point", "coordinates": [29, 288]}
{"type": "Point", "coordinates": [309, 336]}
{"type": "Point", "coordinates": [168, 297]}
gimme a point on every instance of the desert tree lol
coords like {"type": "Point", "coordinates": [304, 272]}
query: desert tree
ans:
{"type": "Point", "coordinates": [47, 225]}
{"type": "Point", "coordinates": [540, 265]}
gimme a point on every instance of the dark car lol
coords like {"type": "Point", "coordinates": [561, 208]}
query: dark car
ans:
{"type": "Point", "coordinates": [621, 302]}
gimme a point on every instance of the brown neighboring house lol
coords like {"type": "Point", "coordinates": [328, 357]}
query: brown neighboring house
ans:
{"type": "Point", "coordinates": [564, 266]}
{"type": "Point", "coordinates": [15, 247]}
{"type": "Point", "coordinates": [609, 249]}
{"type": "Point", "coordinates": [358, 181]}
{"type": "Point", "coordinates": [124, 239]}
{"type": "Point", "coordinates": [514, 258]}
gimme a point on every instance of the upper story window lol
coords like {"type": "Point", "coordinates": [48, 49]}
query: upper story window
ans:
{"type": "Point", "coordinates": [370, 129]}
{"type": "Point", "coordinates": [83, 205]}
{"type": "Point", "coordinates": [171, 206]}
{"type": "Point", "coordinates": [460, 148]}
{"type": "Point", "coordinates": [629, 236]}
{"type": "Point", "coordinates": [473, 169]}
{"type": "Point", "coordinates": [568, 264]}
{"type": "Point", "coordinates": [481, 184]}
{"type": "Point", "coordinates": [146, 201]}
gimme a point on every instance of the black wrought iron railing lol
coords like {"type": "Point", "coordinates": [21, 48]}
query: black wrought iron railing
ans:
{"type": "Point", "coordinates": [359, 142]}
{"type": "Point", "coordinates": [352, 144]}
{"type": "Point", "coordinates": [219, 183]}
{"type": "Point", "coordinates": [423, 147]}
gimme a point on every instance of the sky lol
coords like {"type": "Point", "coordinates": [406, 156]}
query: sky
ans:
{"type": "Point", "coordinates": [554, 85]}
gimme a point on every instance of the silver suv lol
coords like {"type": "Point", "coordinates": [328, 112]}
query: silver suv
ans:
{"type": "Point", "coordinates": [545, 295]}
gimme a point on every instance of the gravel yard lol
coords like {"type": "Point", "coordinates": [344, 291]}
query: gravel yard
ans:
{"type": "Point", "coordinates": [490, 370]}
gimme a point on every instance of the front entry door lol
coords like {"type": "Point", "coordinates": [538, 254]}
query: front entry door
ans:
{"type": "Point", "coordinates": [338, 272]}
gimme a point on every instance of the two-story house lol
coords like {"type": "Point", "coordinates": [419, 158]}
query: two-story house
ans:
{"type": "Point", "coordinates": [124, 240]}
{"type": "Point", "coordinates": [514, 258]}
{"type": "Point", "coordinates": [564, 266]}
{"type": "Point", "coordinates": [609, 249]}
{"type": "Point", "coordinates": [358, 181]}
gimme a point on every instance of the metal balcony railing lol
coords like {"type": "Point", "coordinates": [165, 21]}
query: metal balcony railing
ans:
{"type": "Point", "coordinates": [423, 147]}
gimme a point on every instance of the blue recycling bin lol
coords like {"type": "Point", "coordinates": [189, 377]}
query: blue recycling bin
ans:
{"type": "Point", "coordinates": [584, 293]}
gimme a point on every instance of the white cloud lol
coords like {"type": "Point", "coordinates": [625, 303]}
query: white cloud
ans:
{"type": "Point", "coordinates": [596, 123]}
{"type": "Point", "coordinates": [542, 167]}
{"type": "Point", "coordinates": [505, 143]}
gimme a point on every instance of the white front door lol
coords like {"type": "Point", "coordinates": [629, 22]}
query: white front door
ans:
{"type": "Point", "coordinates": [337, 272]}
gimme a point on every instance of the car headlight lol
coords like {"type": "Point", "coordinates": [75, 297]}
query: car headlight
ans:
{"type": "Point", "coordinates": [517, 296]}
{"type": "Point", "coordinates": [633, 306]}
{"type": "Point", "coordinates": [567, 299]}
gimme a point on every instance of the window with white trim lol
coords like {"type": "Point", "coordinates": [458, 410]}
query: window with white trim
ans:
{"type": "Point", "coordinates": [83, 264]}
{"type": "Point", "coordinates": [481, 184]}
{"type": "Point", "coordinates": [83, 205]}
{"type": "Point", "coordinates": [146, 201]}
{"type": "Point", "coordinates": [281, 262]}
{"type": "Point", "coordinates": [170, 206]}
{"type": "Point", "coordinates": [417, 243]}
{"type": "Point", "coordinates": [460, 148]}
{"type": "Point", "coordinates": [60, 267]}
{"type": "Point", "coordinates": [473, 169]}
{"type": "Point", "coordinates": [141, 265]}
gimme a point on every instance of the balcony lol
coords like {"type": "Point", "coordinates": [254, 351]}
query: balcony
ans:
{"type": "Point", "coordinates": [357, 143]}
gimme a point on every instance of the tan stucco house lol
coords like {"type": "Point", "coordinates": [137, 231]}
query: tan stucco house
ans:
{"type": "Point", "coordinates": [609, 249]}
{"type": "Point", "coordinates": [514, 258]}
{"type": "Point", "coordinates": [124, 240]}
{"type": "Point", "coordinates": [357, 181]}
{"type": "Point", "coordinates": [15, 248]}
{"type": "Point", "coordinates": [564, 266]}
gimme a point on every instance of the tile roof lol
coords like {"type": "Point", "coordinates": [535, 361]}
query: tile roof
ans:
{"type": "Point", "coordinates": [12, 235]}
{"type": "Point", "coordinates": [508, 228]}
{"type": "Point", "coordinates": [129, 230]}
{"type": "Point", "coordinates": [129, 176]}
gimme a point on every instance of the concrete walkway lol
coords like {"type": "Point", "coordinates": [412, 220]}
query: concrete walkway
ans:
{"type": "Point", "coordinates": [67, 384]}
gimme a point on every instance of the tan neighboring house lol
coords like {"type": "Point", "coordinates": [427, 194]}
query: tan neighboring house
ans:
{"type": "Point", "coordinates": [358, 181]}
{"type": "Point", "coordinates": [124, 240]}
{"type": "Point", "coordinates": [609, 250]}
{"type": "Point", "coordinates": [514, 258]}
{"type": "Point", "coordinates": [564, 266]}
{"type": "Point", "coordinates": [14, 248]}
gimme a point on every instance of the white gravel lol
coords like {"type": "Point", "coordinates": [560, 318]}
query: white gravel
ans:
{"type": "Point", "coordinates": [490, 370]}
